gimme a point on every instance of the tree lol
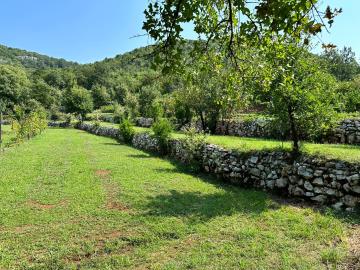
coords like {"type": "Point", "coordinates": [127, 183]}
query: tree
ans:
{"type": "Point", "coordinates": [341, 63]}
{"type": "Point", "coordinates": [210, 93]}
{"type": "Point", "coordinates": [303, 97]}
{"type": "Point", "coordinates": [227, 27]}
{"type": "Point", "coordinates": [100, 96]}
{"type": "Point", "coordinates": [47, 95]}
{"type": "Point", "coordinates": [78, 100]}
{"type": "Point", "coordinates": [13, 88]}
{"type": "Point", "coordinates": [229, 24]}
{"type": "Point", "coordinates": [349, 92]}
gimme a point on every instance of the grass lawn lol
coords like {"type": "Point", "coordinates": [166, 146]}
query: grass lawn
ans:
{"type": "Point", "coordinates": [72, 200]}
{"type": "Point", "coordinates": [349, 153]}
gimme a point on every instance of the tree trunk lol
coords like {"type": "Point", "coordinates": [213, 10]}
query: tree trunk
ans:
{"type": "Point", "coordinates": [294, 132]}
{"type": "Point", "coordinates": [203, 124]}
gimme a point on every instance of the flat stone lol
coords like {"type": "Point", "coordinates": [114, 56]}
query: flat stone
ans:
{"type": "Point", "coordinates": [354, 179]}
{"type": "Point", "coordinates": [349, 200]}
{"type": "Point", "coordinates": [305, 172]}
{"type": "Point", "coordinates": [356, 189]}
{"type": "Point", "coordinates": [255, 172]}
{"type": "Point", "coordinates": [338, 206]}
{"type": "Point", "coordinates": [281, 182]}
{"type": "Point", "coordinates": [330, 191]}
{"type": "Point", "coordinates": [318, 181]}
{"type": "Point", "coordinates": [308, 186]}
{"type": "Point", "coordinates": [254, 159]}
{"type": "Point", "coordinates": [319, 198]}
{"type": "Point", "coordinates": [270, 184]}
{"type": "Point", "coordinates": [318, 173]}
{"type": "Point", "coordinates": [298, 192]}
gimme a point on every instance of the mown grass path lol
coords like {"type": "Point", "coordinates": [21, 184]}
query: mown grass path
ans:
{"type": "Point", "coordinates": [71, 200]}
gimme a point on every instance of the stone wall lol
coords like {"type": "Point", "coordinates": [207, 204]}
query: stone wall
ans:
{"type": "Point", "coordinates": [254, 128]}
{"type": "Point", "coordinates": [144, 122]}
{"type": "Point", "coordinates": [100, 130]}
{"type": "Point", "coordinates": [315, 179]}
{"type": "Point", "coordinates": [347, 132]}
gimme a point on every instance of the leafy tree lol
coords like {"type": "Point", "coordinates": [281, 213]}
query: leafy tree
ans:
{"type": "Point", "coordinates": [147, 96]}
{"type": "Point", "coordinates": [226, 27]}
{"type": "Point", "coordinates": [341, 63]}
{"type": "Point", "coordinates": [350, 95]}
{"type": "Point", "coordinates": [78, 100]}
{"type": "Point", "coordinates": [156, 109]}
{"type": "Point", "coordinates": [100, 96]}
{"type": "Point", "coordinates": [228, 24]}
{"type": "Point", "coordinates": [303, 99]}
{"type": "Point", "coordinates": [210, 93]}
{"type": "Point", "coordinates": [14, 85]}
{"type": "Point", "coordinates": [47, 95]}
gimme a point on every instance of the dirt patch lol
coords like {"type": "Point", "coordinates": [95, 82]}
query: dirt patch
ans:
{"type": "Point", "coordinates": [102, 173]}
{"type": "Point", "coordinates": [41, 206]}
{"type": "Point", "coordinates": [44, 206]}
{"type": "Point", "coordinates": [23, 228]}
{"type": "Point", "coordinates": [100, 250]}
{"type": "Point", "coordinates": [353, 260]}
{"type": "Point", "coordinates": [112, 205]}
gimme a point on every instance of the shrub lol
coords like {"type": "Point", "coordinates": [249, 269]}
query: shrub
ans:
{"type": "Point", "coordinates": [127, 130]}
{"type": "Point", "coordinates": [193, 144]}
{"type": "Point", "coordinates": [162, 129]}
{"type": "Point", "coordinates": [28, 124]}
{"type": "Point", "coordinates": [107, 108]}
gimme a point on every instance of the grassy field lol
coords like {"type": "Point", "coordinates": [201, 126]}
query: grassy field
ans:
{"type": "Point", "coordinates": [72, 200]}
{"type": "Point", "coordinates": [349, 153]}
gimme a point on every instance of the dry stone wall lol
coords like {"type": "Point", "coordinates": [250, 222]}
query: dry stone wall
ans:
{"type": "Point", "coordinates": [144, 122]}
{"type": "Point", "coordinates": [316, 179]}
{"type": "Point", "coordinates": [347, 132]}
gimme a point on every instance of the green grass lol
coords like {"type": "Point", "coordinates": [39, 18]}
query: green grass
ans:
{"type": "Point", "coordinates": [350, 153]}
{"type": "Point", "coordinates": [72, 200]}
{"type": "Point", "coordinates": [7, 134]}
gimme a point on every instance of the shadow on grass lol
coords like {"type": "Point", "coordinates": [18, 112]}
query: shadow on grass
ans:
{"type": "Point", "coordinates": [200, 206]}
{"type": "Point", "coordinates": [142, 156]}
{"type": "Point", "coordinates": [229, 200]}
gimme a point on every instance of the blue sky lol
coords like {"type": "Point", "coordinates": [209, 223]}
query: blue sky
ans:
{"type": "Point", "coordinates": [90, 30]}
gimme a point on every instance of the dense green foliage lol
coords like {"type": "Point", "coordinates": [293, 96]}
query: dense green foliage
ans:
{"type": "Point", "coordinates": [78, 100]}
{"type": "Point", "coordinates": [28, 124]}
{"type": "Point", "coordinates": [127, 130]}
{"type": "Point", "coordinates": [162, 129]}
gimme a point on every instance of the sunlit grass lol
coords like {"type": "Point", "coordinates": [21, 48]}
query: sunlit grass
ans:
{"type": "Point", "coordinates": [350, 153]}
{"type": "Point", "coordinates": [72, 200]}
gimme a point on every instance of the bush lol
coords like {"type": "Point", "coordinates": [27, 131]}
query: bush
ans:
{"type": "Point", "coordinates": [127, 130]}
{"type": "Point", "coordinates": [162, 129]}
{"type": "Point", "coordinates": [28, 124]}
{"type": "Point", "coordinates": [193, 144]}
{"type": "Point", "coordinates": [107, 109]}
